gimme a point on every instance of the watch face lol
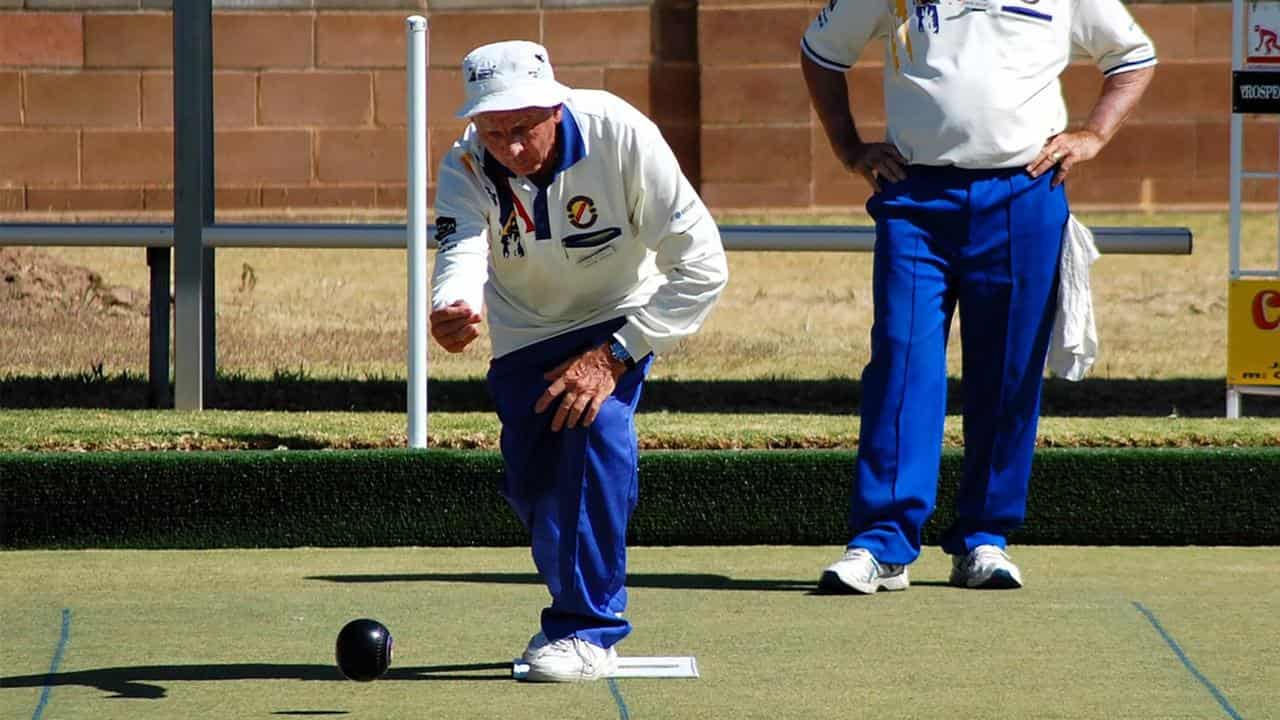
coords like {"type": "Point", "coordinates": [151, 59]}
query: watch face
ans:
{"type": "Point", "coordinates": [619, 352]}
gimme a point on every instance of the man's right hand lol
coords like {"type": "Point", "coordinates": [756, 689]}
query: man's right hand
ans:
{"type": "Point", "coordinates": [876, 162]}
{"type": "Point", "coordinates": [454, 326]}
{"type": "Point", "coordinates": [829, 93]}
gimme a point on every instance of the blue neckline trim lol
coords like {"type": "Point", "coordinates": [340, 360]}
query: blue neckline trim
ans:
{"type": "Point", "coordinates": [572, 149]}
{"type": "Point", "coordinates": [568, 138]}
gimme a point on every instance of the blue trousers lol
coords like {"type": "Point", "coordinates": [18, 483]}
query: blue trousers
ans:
{"type": "Point", "coordinates": [574, 489]}
{"type": "Point", "coordinates": [989, 241]}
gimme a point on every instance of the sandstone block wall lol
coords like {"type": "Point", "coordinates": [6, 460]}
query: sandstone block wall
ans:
{"type": "Point", "coordinates": [310, 114]}
{"type": "Point", "coordinates": [1171, 153]}
{"type": "Point", "coordinates": [309, 95]}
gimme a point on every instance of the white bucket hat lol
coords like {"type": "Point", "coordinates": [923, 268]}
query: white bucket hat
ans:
{"type": "Point", "coordinates": [509, 75]}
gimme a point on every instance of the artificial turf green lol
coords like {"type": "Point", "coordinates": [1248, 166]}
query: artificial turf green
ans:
{"type": "Point", "coordinates": [240, 634]}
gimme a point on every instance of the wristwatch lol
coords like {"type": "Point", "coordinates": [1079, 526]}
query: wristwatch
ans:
{"type": "Point", "coordinates": [619, 353]}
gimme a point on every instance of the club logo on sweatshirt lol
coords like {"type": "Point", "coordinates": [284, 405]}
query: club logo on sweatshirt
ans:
{"type": "Point", "coordinates": [582, 212]}
{"type": "Point", "coordinates": [445, 229]}
{"type": "Point", "coordinates": [511, 236]}
{"type": "Point", "coordinates": [445, 226]}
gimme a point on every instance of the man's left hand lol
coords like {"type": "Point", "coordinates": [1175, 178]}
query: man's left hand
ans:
{"type": "Point", "coordinates": [1064, 150]}
{"type": "Point", "coordinates": [585, 382]}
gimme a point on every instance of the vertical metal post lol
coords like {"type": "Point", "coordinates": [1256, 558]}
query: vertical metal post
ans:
{"type": "Point", "coordinates": [416, 224]}
{"type": "Point", "coordinates": [1236, 147]}
{"type": "Point", "coordinates": [158, 369]}
{"type": "Point", "coordinates": [192, 191]}
{"type": "Point", "coordinates": [209, 303]}
{"type": "Point", "coordinates": [1235, 161]}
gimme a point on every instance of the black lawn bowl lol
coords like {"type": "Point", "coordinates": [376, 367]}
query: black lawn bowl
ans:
{"type": "Point", "coordinates": [363, 650]}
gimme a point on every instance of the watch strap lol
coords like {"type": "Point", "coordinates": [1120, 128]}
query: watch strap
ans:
{"type": "Point", "coordinates": [619, 353]}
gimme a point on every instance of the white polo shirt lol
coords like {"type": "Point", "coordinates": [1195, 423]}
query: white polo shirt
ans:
{"type": "Point", "coordinates": [974, 83]}
{"type": "Point", "coordinates": [619, 231]}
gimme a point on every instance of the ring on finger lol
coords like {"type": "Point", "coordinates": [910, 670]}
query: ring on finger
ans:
{"type": "Point", "coordinates": [1056, 156]}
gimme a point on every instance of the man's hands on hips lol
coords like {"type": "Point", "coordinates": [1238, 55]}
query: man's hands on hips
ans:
{"type": "Point", "coordinates": [1119, 96]}
{"type": "Point", "coordinates": [583, 383]}
{"type": "Point", "coordinates": [876, 162]}
{"type": "Point", "coordinates": [1065, 150]}
{"type": "Point", "coordinates": [454, 326]}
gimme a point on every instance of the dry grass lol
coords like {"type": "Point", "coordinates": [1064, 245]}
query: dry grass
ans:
{"type": "Point", "coordinates": [341, 313]}
{"type": "Point", "coordinates": [112, 430]}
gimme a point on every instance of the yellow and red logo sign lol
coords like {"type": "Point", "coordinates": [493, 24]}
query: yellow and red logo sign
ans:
{"type": "Point", "coordinates": [582, 212]}
{"type": "Point", "coordinates": [1253, 332]}
{"type": "Point", "coordinates": [1265, 309]}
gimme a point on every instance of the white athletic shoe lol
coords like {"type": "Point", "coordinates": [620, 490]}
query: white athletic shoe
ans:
{"type": "Point", "coordinates": [535, 643]}
{"type": "Point", "coordinates": [986, 567]}
{"type": "Point", "coordinates": [858, 572]}
{"type": "Point", "coordinates": [568, 660]}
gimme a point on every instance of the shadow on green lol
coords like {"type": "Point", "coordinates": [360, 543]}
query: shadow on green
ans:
{"type": "Point", "coordinates": [667, 581]}
{"type": "Point", "coordinates": [139, 682]}
{"type": "Point", "coordinates": [1093, 397]}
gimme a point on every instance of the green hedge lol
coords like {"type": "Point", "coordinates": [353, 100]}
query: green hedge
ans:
{"type": "Point", "coordinates": [450, 498]}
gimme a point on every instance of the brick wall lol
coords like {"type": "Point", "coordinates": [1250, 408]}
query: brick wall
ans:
{"type": "Point", "coordinates": [309, 98]}
{"type": "Point", "coordinates": [309, 103]}
{"type": "Point", "coordinates": [1172, 152]}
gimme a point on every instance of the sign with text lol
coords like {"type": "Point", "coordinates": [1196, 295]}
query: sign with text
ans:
{"type": "Point", "coordinates": [1255, 91]}
{"type": "Point", "coordinates": [1253, 332]}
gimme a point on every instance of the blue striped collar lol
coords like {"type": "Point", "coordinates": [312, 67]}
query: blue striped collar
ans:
{"type": "Point", "coordinates": [568, 139]}
{"type": "Point", "coordinates": [572, 147]}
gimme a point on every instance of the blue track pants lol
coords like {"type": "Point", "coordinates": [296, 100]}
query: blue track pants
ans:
{"type": "Point", "coordinates": [989, 241]}
{"type": "Point", "coordinates": [574, 489]}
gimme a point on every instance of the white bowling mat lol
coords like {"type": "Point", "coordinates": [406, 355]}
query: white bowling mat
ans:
{"type": "Point", "coordinates": [636, 667]}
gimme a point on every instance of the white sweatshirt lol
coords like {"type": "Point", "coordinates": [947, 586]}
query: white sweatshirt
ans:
{"type": "Point", "coordinates": [619, 231]}
{"type": "Point", "coordinates": [974, 83]}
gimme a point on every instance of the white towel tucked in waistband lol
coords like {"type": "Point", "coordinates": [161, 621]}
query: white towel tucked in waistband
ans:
{"type": "Point", "coordinates": [1074, 346]}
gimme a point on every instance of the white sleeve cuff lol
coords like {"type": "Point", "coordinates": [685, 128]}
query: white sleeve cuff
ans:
{"type": "Point", "coordinates": [633, 339]}
{"type": "Point", "coordinates": [1130, 66]}
{"type": "Point", "coordinates": [820, 60]}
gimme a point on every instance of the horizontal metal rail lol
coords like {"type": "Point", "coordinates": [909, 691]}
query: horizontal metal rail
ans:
{"type": "Point", "coordinates": [87, 235]}
{"type": "Point", "coordinates": [158, 239]}
{"type": "Point", "coordinates": [802, 238]}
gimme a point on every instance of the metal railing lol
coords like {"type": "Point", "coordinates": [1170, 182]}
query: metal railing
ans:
{"type": "Point", "coordinates": [788, 238]}
{"type": "Point", "coordinates": [188, 244]}
{"type": "Point", "coordinates": [158, 239]}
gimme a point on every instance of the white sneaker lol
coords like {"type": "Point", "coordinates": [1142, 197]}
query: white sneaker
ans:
{"type": "Point", "coordinates": [568, 660]}
{"type": "Point", "coordinates": [535, 643]}
{"type": "Point", "coordinates": [858, 572]}
{"type": "Point", "coordinates": [986, 567]}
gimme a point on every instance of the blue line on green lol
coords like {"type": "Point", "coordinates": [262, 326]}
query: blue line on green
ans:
{"type": "Point", "coordinates": [623, 713]}
{"type": "Point", "coordinates": [47, 689]}
{"type": "Point", "coordinates": [1186, 662]}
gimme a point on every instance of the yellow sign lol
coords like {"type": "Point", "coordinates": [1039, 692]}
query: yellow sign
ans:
{"type": "Point", "coordinates": [1253, 332]}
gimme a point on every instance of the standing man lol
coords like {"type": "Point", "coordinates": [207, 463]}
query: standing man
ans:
{"type": "Point", "coordinates": [970, 209]}
{"type": "Point", "coordinates": [563, 216]}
